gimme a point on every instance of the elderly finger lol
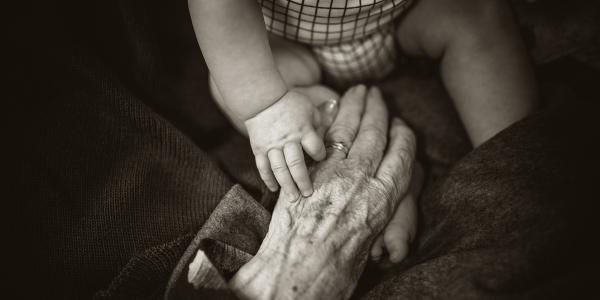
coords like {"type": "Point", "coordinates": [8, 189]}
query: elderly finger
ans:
{"type": "Point", "coordinates": [281, 172]}
{"type": "Point", "coordinates": [294, 157]}
{"type": "Point", "coordinates": [371, 139]}
{"type": "Point", "coordinates": [347, 121]}
{"type": "Point", "coordinates": [264, 169]}
{"type": "Point", "coordinates": [399, 160]}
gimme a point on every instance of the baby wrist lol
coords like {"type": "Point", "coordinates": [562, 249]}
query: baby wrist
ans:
{"type": "Point", "coordinates": [252, 96]}
{"type": "Point", "coordinates": [250, 113]}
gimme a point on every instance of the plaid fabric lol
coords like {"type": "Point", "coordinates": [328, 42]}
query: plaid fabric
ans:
{"type": "Point", "coordinates": [353, 39]}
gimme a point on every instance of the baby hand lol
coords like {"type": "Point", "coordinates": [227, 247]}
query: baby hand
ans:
{"type": "Point", "coordinates": [278, 136]}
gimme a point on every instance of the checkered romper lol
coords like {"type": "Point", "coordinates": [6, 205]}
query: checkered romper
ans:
{"type": "Point", "coordinates": [353, 40]}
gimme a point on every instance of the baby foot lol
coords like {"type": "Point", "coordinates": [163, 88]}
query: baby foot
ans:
{"type": "Point", "coordinates": [402, 228]}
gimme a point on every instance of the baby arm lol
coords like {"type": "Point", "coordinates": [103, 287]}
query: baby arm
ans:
{"type": "Point", "coordinates": [280, 123]}
{"type": "Point", "coordinates": [299, 69]}
{"type": "Point", "coordinates": [233, 40]}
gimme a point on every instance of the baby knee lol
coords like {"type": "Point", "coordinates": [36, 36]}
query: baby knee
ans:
{"type": "Point", "coordinates": [296, 64]}
{"type": "Point", "coordinates": [477, 19]}
{"type": "Point", "coordinates": [443, 23]}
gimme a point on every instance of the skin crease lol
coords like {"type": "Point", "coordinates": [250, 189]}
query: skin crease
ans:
{"type": "Point", "coordinates": [317, 248]}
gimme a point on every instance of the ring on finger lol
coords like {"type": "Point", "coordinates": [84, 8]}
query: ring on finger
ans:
{"type": "Point", "coordinates": [339, 146]}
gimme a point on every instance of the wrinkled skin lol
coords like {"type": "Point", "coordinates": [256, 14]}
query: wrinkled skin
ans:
{"type": "Point", "coordinates": [316, 248]}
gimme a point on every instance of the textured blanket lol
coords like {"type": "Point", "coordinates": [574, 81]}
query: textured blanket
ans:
{"type": "Point", "coordinates": [126, 168]}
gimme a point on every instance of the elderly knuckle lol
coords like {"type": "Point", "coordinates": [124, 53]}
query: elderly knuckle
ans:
{"type": "Point", "coordinates": [267, 178]}
{"type": "Point", "coordinates": [406, 134]}
{"type": "Point", "coordinates": [278, 168]}
{"type": "Point", "coordinates": [410, 138]}
{"type": "Point", "coordinates": [406, 159]}
{"type": "Point", "coordinates": [359, 164]}
{"type": "Point", "coordinates": [377, 132]}
{"type": "Point", "coordinates": [295, 162]}
{"type": "Point", "coordinates": [363, 173]}
{"type": "Point", "coordinates": [383, 191]}
{"type": "Point", "coordinates": [342, 132]}
{"type": "Point", "coordinates": [370, 168]}
{"type": "Point", "coordinates": [389, 186]}
{"type": "Point", "coordinates": [264, 173]}
{"type": "Point", "coordinates": [258, 150]}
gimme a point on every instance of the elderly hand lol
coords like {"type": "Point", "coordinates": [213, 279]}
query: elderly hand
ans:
{"type": "Point", "coordinates": [316, 248]}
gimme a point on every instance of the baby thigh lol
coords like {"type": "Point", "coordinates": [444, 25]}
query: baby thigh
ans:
{"type": "Point", "coordinates": [298, 67]}
{"type": "Point", "coordinates": [432, 26]}
{"type": "Point", "coordinates": [296, 63]}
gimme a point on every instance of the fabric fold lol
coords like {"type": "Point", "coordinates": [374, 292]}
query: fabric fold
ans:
{"type": "Point", "coordinates": [228, 240]}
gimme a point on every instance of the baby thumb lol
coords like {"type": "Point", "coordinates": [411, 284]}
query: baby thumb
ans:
{"type": "Point", "coordinates": [327, 112]}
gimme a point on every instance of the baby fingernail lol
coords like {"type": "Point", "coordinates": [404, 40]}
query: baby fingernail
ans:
{"type": "Point", "coordinates": [331, 108]}
{"type": "Point", "coordinates": [329, 105]}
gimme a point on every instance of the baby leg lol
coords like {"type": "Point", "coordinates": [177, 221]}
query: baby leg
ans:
{"type": "Point", "coordinates": [483, 61]}
{"type": "Point", "coordinates": [296, 63]}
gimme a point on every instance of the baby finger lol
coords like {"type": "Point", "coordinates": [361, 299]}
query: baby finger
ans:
{"type": "Point", "coordinates": [281, 172]}
{"type": "Point", "coordinates": [264, 169]}
{"type": "Point", "coordinates": [294, 157]}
